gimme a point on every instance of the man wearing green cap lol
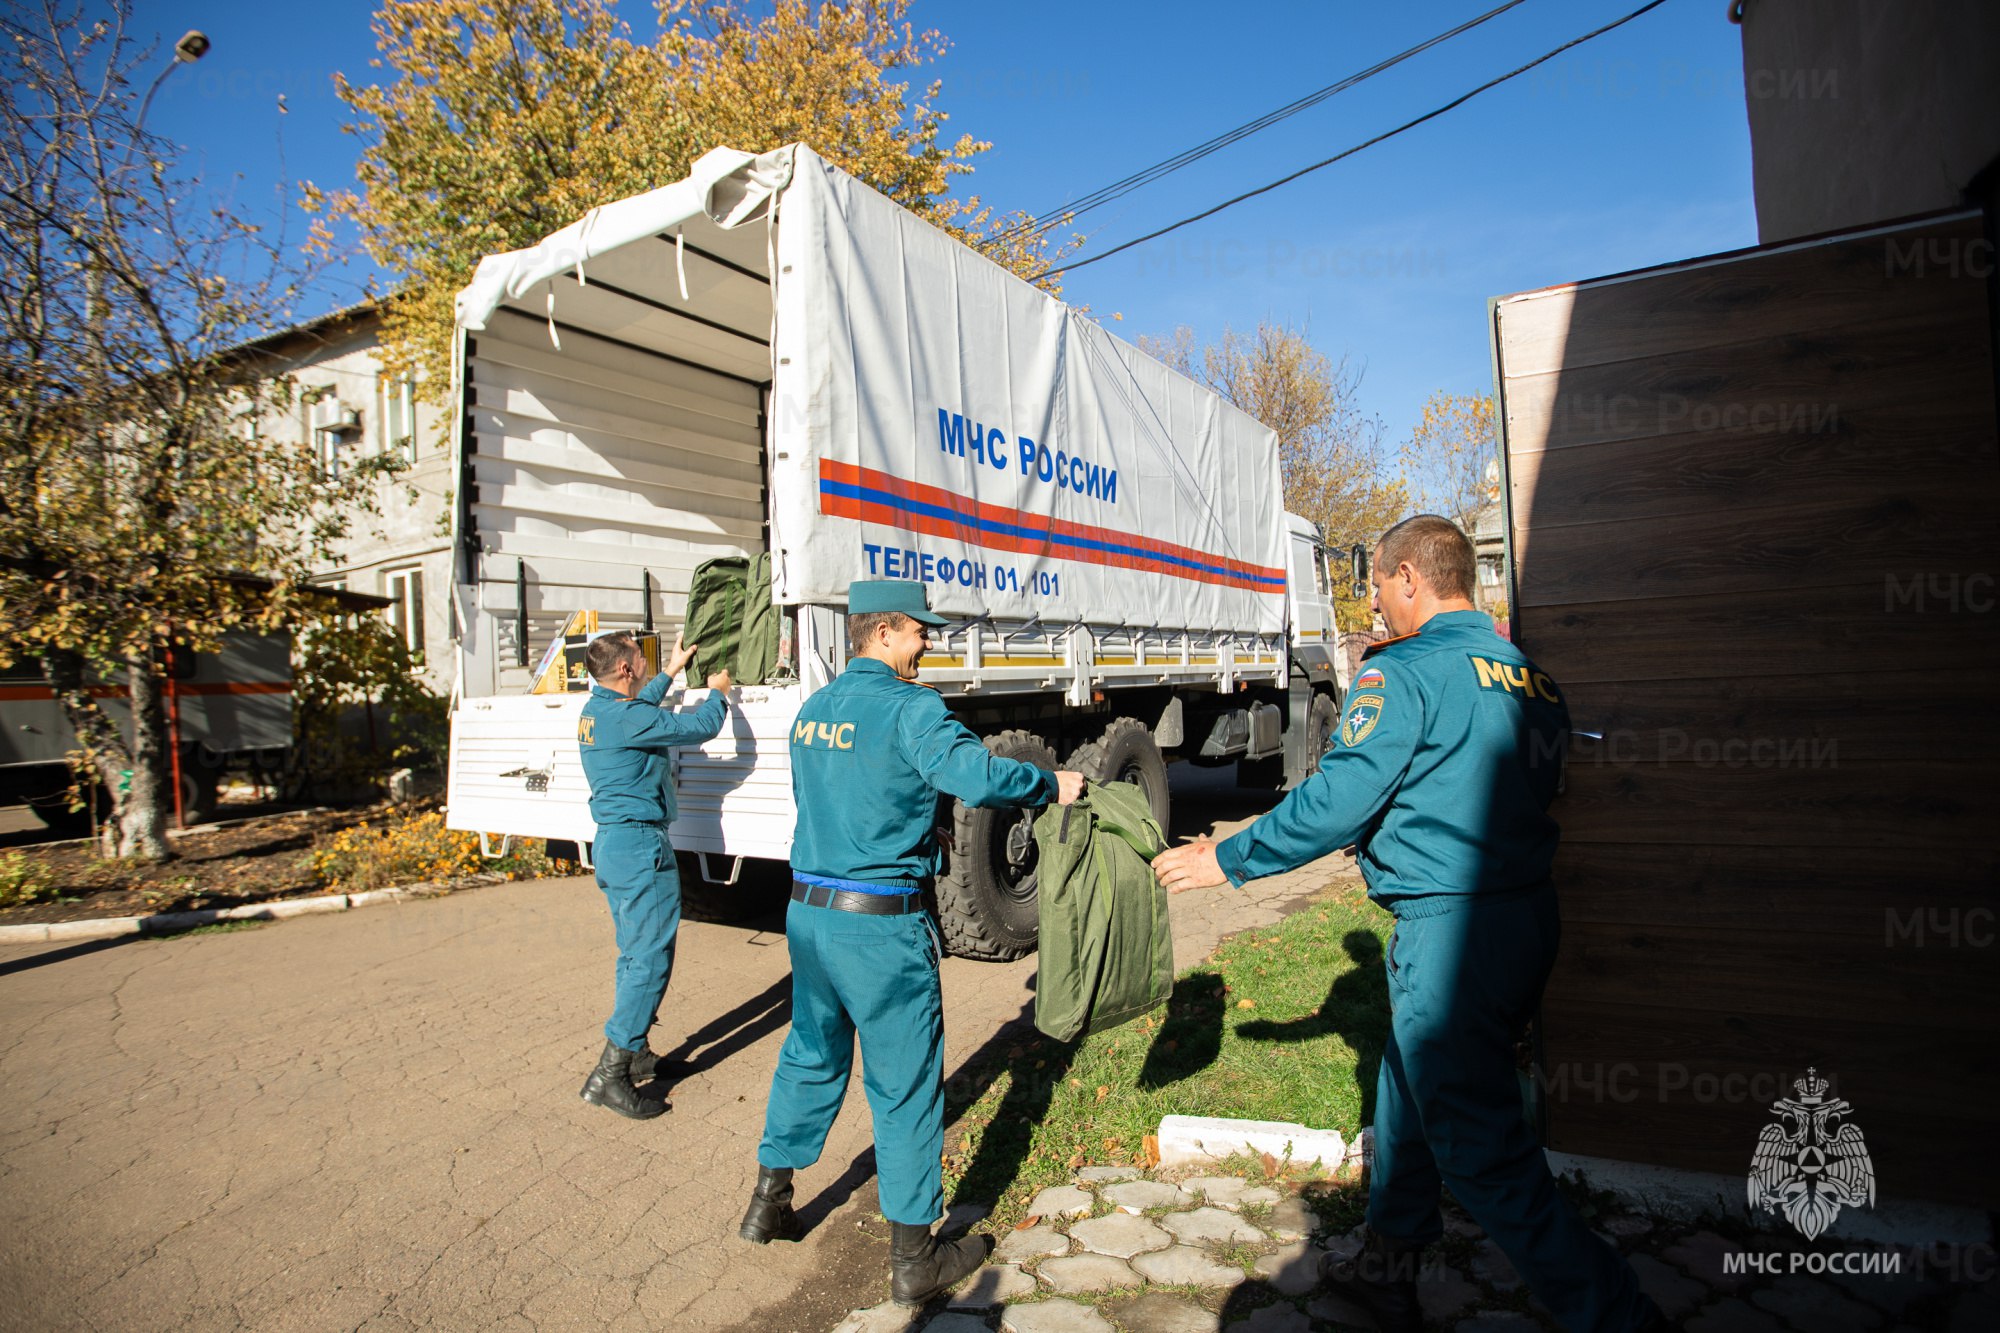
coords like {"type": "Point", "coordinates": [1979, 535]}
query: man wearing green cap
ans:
{"type": "Point", "coordinates": [870, 754]}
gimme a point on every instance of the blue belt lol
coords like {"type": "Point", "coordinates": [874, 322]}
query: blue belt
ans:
{"type": "Point", "coordinates": [869, 904]}
{"type": "Point", "coordinates": [855, 885]}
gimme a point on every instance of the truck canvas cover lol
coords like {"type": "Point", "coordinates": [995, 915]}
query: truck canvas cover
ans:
{"type": "Point", "coordinates": [929, 415]}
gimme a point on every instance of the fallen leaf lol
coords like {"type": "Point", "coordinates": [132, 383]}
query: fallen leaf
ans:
{"type": "Point", "coordinates": [1032, 1219]}
{"type": "Point", "coordinates": [1078, 1160]}
{"type": "Point", "coordinates": [1103, 1091]}
{"type": "Point", "coordinates": [1152, 1150]}
{"type": "Point", "coordinates": [1270, 1164]}
{"type": "Point", "coordinates": [1246, 1004]}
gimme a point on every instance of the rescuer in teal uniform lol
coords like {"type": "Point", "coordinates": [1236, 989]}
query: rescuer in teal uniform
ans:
{"type": "Point", "coordinates": [624, 736]}
{"type": "Point", "coordinates": [1449, 752]}
{"type": "Point", "coordinates": [870, 753]}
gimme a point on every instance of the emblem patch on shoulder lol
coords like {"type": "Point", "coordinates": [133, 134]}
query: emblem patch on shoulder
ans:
{"type": "Point", "coordinates": [586, 730]}
{"type": "Point", "coordinates": [1371, 678]}
{"type": "Point", "coordinates": [1363, 712]}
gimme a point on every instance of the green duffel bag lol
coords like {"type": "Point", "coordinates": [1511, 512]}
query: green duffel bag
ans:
{"type": "Point", "coordinates": [729, 614]}
{"type": "Point", "coordinates": [1107, 947]}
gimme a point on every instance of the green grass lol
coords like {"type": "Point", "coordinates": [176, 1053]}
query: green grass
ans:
{"type": "Point", "coordinates": [225, 927]}
{"type": "Point", "coordinates": [1282, 1023]}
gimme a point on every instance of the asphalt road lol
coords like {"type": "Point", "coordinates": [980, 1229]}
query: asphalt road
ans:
{"type": "Point", "coordinates": [370, 1120]}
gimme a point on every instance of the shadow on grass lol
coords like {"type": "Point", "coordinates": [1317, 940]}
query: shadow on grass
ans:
{"type": "Point", "coordinates": [1190, 1039]}
{"type": "Point", "coordinates": [1037, 1066]}
{"type": "Point", "coordinates": [1356, 1010]}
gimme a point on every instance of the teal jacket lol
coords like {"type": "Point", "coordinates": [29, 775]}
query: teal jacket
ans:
{"type": "Point", "coordinates": [624, 743]}
{"type": "Point", "coordinates": [870, 753]}
{"type": "Point", "coordinates": [1449, 753]}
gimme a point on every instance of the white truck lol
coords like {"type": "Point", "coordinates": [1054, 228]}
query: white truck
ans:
{"type": "Point", "coordinates": [772, 358]}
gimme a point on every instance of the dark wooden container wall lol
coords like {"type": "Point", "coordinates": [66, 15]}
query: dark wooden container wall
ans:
{"type": "Point", "coordinates": [1754, 503]}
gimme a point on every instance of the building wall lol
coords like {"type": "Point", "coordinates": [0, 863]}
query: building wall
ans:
{"type": "Point", "coordinates": [1750, 499]}
{"type": "Point", "coordinates": [408, 534]}
{"type": "Point", "coordinates": [1861, 111]}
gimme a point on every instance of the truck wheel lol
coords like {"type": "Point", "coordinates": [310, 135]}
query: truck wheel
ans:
{"type": "Point", "coordinates": [986, 903]}
{"type": "Point", "coordinates": [1126, 753]}
{"type": "Point", "coordinates": [201, 783]}
{"type": "Point", "coordinates": [1319, 726]}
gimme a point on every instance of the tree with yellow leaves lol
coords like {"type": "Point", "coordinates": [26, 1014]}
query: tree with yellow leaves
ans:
{"type": "Point", "coordinates": [1451, 458]}
{"type": "Point", "coordinates": [1330, 452]}
{"type": "Point", "coordinates": [504, 120]}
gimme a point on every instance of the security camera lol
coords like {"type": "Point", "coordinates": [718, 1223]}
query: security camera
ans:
{"type": "Point", "coordinates": [192, 46]}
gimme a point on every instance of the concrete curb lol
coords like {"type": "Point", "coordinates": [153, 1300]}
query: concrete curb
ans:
{"type": "Point", "coordinates": [171, 923]}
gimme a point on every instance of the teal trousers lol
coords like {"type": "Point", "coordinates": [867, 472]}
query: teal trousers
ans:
{"type": "Point", "coordinates": [876, 978]}
{"type": "Point", "coordinates": [1465, 977]}
{"type": "Point", "coordinates": [642, 883]}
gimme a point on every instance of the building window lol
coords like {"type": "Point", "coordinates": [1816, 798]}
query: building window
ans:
{"type": "Point", "coordinates": [333, 426]}
{"type": "Point", "coordinates": [399, 417]}
{"type": "Point", "coordinates": [405, 591]}
{"type": "Point", "coordinates": [1489, 573]}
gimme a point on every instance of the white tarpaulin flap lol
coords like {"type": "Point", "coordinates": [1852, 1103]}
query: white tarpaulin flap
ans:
{"type": "Point", "coordinates": [935, 418]}
{"type": "Point", "coordinates": [727, 187]}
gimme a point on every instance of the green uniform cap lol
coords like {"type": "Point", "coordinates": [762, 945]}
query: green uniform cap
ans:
{"type": "Point", "coordinates": [868, 595]}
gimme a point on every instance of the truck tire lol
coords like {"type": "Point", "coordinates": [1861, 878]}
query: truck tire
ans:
{"type": "Point", "coordinates": [1320, 722]}
{"type": "Point", "coordinates": [201, 783]}
{"type": "Point", "coordinates": [1126, 753]}
{"type": "Point", "coordinates": [986, 903]}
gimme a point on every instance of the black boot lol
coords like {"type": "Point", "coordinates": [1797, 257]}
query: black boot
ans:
{"type": "Point", "coordinates": [921, 1266]}
{"type": "Point", "coordinates": [610, 1085]}
{"type": "Point", "coordinates": [1381, 1278]}
{"type": "Point", "coordinates": [647, 1066]}
{"type": "Point", "coordinates": [771, 1217]}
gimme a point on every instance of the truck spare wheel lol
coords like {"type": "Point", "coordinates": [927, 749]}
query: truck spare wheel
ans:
{"type": "Point", "coordinates": [1125, 752]}
{"type": "Point", "coordinates": [986, 902]}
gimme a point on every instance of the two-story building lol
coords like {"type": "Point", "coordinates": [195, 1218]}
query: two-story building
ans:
{"type": "Point", "coordinates": [349, 409]}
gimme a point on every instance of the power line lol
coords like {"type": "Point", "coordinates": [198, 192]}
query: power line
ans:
{"type": "Point", "coordinates": [1105, 194]}
{"type": "Point", "coordinates": [1370, 143]}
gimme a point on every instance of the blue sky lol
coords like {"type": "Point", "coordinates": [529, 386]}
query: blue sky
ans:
{"type": "Point", "coordinates": [1628, 151]}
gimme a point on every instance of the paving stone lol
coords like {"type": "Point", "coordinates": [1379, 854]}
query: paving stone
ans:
{"type": "Point", "coordinates": [1463, 1226]}
{"type": "Point", "coordinates": [1331, 1309]}
{"type": "Point", "coordinates": [1806, 1303]}
{"type": "Point", "coordinates": [1087, 1272]}
{"type": "Point", "coordinates": [1221, 1190]}
{"type": "Point", "coordinates": [1628, 1225]}
{"type": "Point", "coordinates": [1445, 1294]}
{"type": "Point", "coordinates": [1184, 1265]}
{"type": "Point", "coordinates": [1274, 1319]}
{"type": "Point", "coordinates": [1210, 1226]}
{"type": "Point", "coordinates": [1157, 1312]}
{"type": "Point", "coordinates": [888, 1317]}
{"type": "Point", "coordinates": [1497, 1321]}
{"type": "Point", "coordinates": [1732, 1316]}
{"type": "Point", "coordinates": [993, 1284]}
{"type": "Point", "coordinates": [1702, 1255]}
{"type": "Point", "coordinates": [1490, 1266]}
{"type": "Point", "coordinates": [1886, 1292]}
{"type": "Point", "coordinates": [1120, 1235]}
{"type": "Point", "coordinates": [1136, 1196]}
{"type": "Point", "coordinates": [1105, 1175]}
{"type": "Point", "coordinates": [1292, 1270]}
{"type": "Point", "coordinates": [1034, 1243]}
{"type": "Point", "coordinates": [1291, 1220]}
{"type": "Point", "coordinates": [1977, 1311]}
{"type": "Point", "coordinates": [1054, 1316]}
{"type": "Point", "coordinates": [1063, 1201]}
{"type": "Point", "coordinates": [1676, 1293]}
{"type": "Point", "coordinates": [1231, 1192]}
{"type": "Point", "coordinates": [957, 1323]}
